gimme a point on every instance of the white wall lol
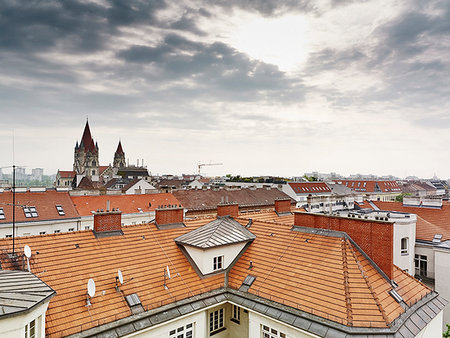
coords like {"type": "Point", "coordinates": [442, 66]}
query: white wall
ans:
{"type": "Point", "coordinates": [256, 321]}
{"type": "Point", "coordinates": [442, 277]}
{"type": "Point", "coordinates": [404, 229]}
{"type": "Point", "coordinates": [203, 258]}
{"type": "Point", "coordinates": [12, 327]}
{"type": "Point", "coordinates": [34, 228]}
{"type": "Point", "coordinates": [427, 250]}
{"type": "Point", "coordinates": [433, 329]}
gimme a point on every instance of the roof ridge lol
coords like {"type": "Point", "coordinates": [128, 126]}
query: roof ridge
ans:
{"type": "Point", "coordinates": [369, 286]}
{"type": "Point", "coordinates": [348, 302]}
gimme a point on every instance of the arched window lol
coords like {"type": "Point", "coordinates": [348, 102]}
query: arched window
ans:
{"type": "Point", "coordinates": [404, 246]}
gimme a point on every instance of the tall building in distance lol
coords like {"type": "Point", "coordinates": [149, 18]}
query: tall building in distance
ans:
{"type": "Point", "coordinates": [119, 157]}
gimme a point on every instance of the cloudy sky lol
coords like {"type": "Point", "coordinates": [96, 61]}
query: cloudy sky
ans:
{"type": "Point", "coordinates": [266, 87]}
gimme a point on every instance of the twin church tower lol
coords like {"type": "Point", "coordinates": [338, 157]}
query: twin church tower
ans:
{"type": "Point", "coordinates": [86, 160]}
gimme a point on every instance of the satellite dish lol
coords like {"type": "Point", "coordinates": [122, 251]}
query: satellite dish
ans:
{"type": "Point", "coordinates": [168, 271]}
{"type": "Point", "coordinates": [27, 251]}
{"type": "Point", "coordinates": [91, 287]}
{"type": "Point", "coordinates": [120, 275]}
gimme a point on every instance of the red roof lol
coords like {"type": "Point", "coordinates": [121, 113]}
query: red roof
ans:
{"type": "Point", "coordinates": [67, 173]}
{"type": "Point", "coordinates": [128, 204]}
{"type": "Point", "coordinates": [310, 188]}
{"type": "Point", "coordinates": [44, 202]}
{"type": "Point", "coordinates": [102, 168]}
{"type": "Point", "coordinates": [369, 186]}
{"type": "Point", "coordinates": [430, 221]}
{"type": "Point", "coordinates": [119, 149]}
{"type": "Point", "coordinates": [87, 143]}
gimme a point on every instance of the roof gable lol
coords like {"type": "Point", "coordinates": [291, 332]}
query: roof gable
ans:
{"type": "Point", "coordinates": [221, 231]}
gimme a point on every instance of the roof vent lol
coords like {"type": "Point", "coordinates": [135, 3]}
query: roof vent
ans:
{"type": "Point", "coordinates": [247, 283]}
{"type": "Point", "coordinates": [134, 303]}
{"type": "Point", "coordinates": [396, 296]}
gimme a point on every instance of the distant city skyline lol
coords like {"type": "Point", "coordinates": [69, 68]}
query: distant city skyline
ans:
{"type": "Point", "coordinates": [265, 87]}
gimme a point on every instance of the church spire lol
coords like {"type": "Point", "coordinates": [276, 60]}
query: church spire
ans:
{"type": "Point", "coordinates": [119, 150]}
{"type": "Point", "coordinates": [86, 140]}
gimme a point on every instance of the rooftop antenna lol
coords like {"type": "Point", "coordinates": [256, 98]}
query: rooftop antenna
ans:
{"type": "Point", "coordinates": [166, 275]}
{"type": "Point", "coordinates": [90, 291]}
{"type": "Point", "coordinates": [27, 252]}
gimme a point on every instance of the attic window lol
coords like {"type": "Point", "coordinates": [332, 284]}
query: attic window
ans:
{"type": "Point", "coordinates": [437, 238]}
{"type": "Point", "coordinates": [30, 212]}
{"type": "Point", "coordinates": [60, 210]}
{"type": "Point", "coordinates": [2, 214]}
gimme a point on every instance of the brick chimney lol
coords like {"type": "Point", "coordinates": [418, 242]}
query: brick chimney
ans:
{"type": "Point", "coordinates": [108, 221]}
{"type": "Point", "coordinates": [375, 238]}
{"type": "Point", "coordinates": [228, 209]}
{"type": "Point", "coordinates": [283, 206]}
{"type": "Point", "coordinates": [169, 217]}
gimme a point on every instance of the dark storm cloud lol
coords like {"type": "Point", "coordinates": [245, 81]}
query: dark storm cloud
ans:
{"type": "Point", "coordinates": [215, 66]}
{"type": "Point", "coordinates": [267, 7]}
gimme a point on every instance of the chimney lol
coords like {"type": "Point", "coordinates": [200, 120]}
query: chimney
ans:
{"type": "Point", "coordinates": [109, 222]}
{"type": "Point", "coordinates": [228, 209]}
{"type": "Point", "coordinates": [168, 218]}
{"type": "Point", "coordinates": [375, 238]}
{"type": "Point", "coordinates": [283, 206]}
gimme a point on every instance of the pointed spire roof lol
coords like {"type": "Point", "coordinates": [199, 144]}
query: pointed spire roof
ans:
{"type": "Point", "coordinates": [86, 140]}
{"type": "Point", "coordinates": [119, 150]}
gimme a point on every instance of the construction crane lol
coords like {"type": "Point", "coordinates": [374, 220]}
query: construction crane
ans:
{"type": "Point", "coordinates": [200, 165]}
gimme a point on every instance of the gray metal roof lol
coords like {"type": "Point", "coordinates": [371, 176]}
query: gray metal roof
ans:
{"type": "Point", "coordinates": [20, 291]}
{"type": "Point", "coordinates": [221, 231]}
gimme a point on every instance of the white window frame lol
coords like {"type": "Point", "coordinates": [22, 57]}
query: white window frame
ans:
{"type": "Point", "coordinates": [31, 329]}
{"type": "Point", "coordinates": [404, 250]}
{"type": "Point", "coordinates": [185, 331]}
{"type": "Point", "coordinates": [216, 321]}
{"type": "Point", "coordinates": [269, 332]}
{"type": "Point", "coordinates": [218, 263]}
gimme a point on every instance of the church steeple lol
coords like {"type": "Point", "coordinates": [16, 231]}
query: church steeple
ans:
{"type": "Point", "coordinates": [119, 157]}
{"type": "Point", "coordinates": [87, 143]}
{"type": "Point", "coordinates": [86, 154]}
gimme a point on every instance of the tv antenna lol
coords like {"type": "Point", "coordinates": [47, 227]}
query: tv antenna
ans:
{"type": "Point", "coordinates": [27, 252]}
{"type": "Point", "coordinates": [166, 275]}
{"type": "Point", "coordinates": [90, 291]}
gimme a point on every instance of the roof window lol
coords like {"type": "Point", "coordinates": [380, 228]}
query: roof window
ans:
{"type": "Point", "coordinates": [30, 212]}
{"type": "Point", "coordinates": [2, 214]}
{"type": "Point", "coordinates": [60, 210]}
{"type": "Point", "coordinates": [134, 303]}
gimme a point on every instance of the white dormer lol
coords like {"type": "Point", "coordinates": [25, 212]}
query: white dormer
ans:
{"type": "Point", "coordinates": [214, 246]}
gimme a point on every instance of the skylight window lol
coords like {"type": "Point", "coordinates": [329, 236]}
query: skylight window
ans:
{"type": "Point", "coordinates": [60, 210]}
{"type": "Point", "coordinates": [2, 214]}
{"type": "Point", "coordinates": [30, 212]}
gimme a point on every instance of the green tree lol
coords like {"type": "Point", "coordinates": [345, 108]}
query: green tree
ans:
{"type": "Point", "coordinates": [446, 334]}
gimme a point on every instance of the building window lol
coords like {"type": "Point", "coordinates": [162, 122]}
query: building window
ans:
{"type": "Point", "coordinates": [267, 332]}
{"type": "Point", "coordinates": [71, 229]}
{"type": "Point", "coordinates": [186, 331]}
{"type": "Point", "coordinates": [60, 210]}
{"type": "Point", "coordinates": [2, 214]}
{"type": "Point", "coordinates": [236, 314]}
{"type": "Point", "coordinates": [42, 233]}
{"type": "Point", "coordinates": [57, 231]}
{"type": "Point", "coordinates": [216, 322]}
{"type": "Point", "coordinates": [30, 329]}
{"type": "Point", "coordinates": [8, 236]}
{"type": "Point", "coordinates": [218, 263]}
{"type": "Point", "coordinates": [87, 227]}
{"type": "Point", "coordinates": [404, 246]}
{"type": "Point", "coordinates": [421, 265]}
{"type": "Point", "coordinates": [30, 212]}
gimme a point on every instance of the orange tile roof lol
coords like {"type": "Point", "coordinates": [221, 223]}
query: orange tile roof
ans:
{"type": "Point", "coordinates": [430, 221]}
{"type": "Point", "coordinates": [333, 280]}
{"type": "Point", "coordinates": [310, 187]}
{"type": "Point", "coordinates": [45, 203]}
{"type": "Point", "coordinates": [67, 270]}
{"type": "Point", "coordinates": [369, 186]}
{"type": "Point", "coordinates": [128, 204]}
{"type": "Point", "coordinates": [102, 168]}
{"type": "Point", "coordinates": [67, 173]}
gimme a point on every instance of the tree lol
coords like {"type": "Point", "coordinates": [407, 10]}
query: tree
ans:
{"type": "Point", "coordinates": [446, 334]}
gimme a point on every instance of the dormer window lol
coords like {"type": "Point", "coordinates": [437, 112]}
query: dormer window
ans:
{"type": "Point", "coordinates": [218, 263]}
{"type": "Point", "coordinates": [2, 214]}
{"type": "Point", "coordinates": [60, 210]}
{"type": "Point", "coordinates": [30, 212]}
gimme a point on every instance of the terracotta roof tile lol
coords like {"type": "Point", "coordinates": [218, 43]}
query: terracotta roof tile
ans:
{"type": "Point", "coordinates": [45, 203]}
{"type": "Point", "coordinates": [67, 173]}
{"type": "Point", "coordinates": [310, 187]}
{"type": "Point", "coordinates": [128, 204]}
